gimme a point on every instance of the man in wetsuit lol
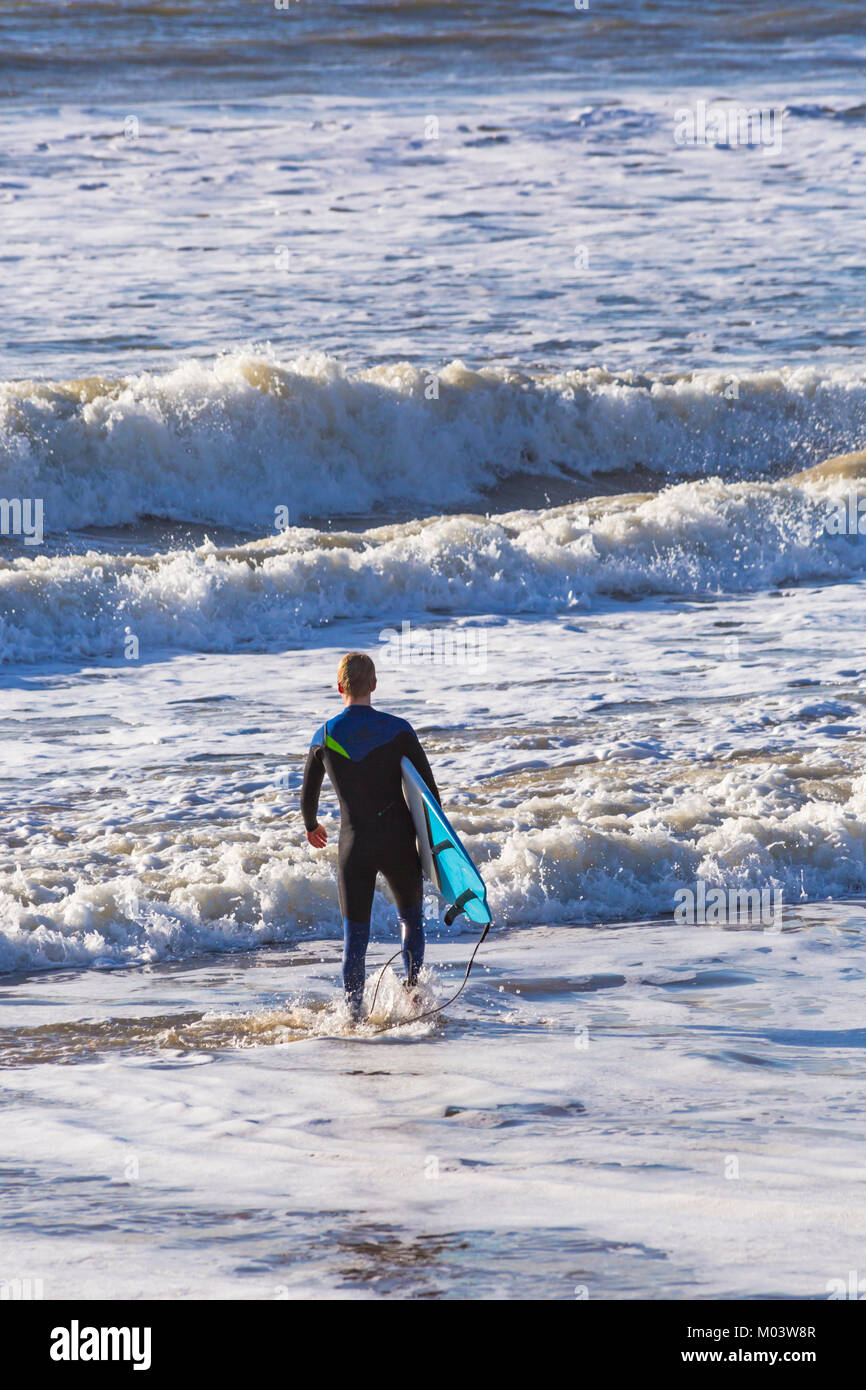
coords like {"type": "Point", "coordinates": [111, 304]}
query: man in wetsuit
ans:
{"type": "Point", "coordinates": [361, 751]}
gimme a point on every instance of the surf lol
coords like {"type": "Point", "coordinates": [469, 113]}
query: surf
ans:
{"type": "Point", "coordinates": [234, 439]}
{"type": "Point", "coordinates": [690, 539]}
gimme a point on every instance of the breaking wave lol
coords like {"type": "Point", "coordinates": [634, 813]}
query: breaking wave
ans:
{"type": "Point", "coordinates": [232, 441]}
{"type": "Point", "coordinates": [695, 538]}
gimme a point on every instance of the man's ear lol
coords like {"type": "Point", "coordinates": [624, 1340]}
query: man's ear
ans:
{"type": "Point", "coordinates": [372, 685]}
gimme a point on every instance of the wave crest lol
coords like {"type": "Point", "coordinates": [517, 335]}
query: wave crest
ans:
{"type": "Point", "coordinates": [232, 441]}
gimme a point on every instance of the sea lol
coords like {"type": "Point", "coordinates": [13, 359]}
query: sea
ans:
{"type": "Point", "coordinates": [522, 346]}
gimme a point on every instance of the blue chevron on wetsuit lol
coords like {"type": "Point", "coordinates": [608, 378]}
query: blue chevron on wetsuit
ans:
{"type": "Point", "coordinates": [361, 750]}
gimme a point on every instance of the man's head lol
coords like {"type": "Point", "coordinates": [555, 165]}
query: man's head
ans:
{"type": "Point", "coordinates": [356, 678]}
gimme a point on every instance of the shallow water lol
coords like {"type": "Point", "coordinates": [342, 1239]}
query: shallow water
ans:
{"type": "Point", "coordinates": [681, 1120]}
{"type": "Point", "coordinates": [417, 330]}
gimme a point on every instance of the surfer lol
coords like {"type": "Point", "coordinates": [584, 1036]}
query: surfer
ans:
{"type": "Point", "coordinates": [361, 751]}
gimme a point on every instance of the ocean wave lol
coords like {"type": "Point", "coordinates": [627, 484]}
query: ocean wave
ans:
{"type": "Point", "coordinates": [696, 538]}
{"type": "Point", "coordinates": [244, 439]}
{"type": "Point", "coordinates": [741, 831]}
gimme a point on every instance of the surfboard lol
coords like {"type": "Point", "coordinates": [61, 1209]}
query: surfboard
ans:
{"type": "Point", "coordinates": [443, 858]}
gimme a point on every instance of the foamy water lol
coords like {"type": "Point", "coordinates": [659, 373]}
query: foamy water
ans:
{"type": "Point", "coordinates": [631, 1113]}
{"type": "Point", "coordinates": [327, 179]}
{"type": "Point", "coordinates": [252, 441]}
{"type": "Point", "coordinates": [592, 763]}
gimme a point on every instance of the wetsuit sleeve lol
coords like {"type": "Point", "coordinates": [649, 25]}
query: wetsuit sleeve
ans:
{"type": "Point", "coordinates": [314, 771]}
{"type": "Point", "coordinates": [418, 758]}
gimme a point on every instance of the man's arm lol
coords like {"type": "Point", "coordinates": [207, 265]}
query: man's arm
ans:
{"type": "Point", "coordinates": [314, 771]}
{"type": "Point", "coordinates": [418, 758]}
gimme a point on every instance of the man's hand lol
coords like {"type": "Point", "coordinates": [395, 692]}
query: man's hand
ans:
{"type": "Point", "coordinates": [318, 838]}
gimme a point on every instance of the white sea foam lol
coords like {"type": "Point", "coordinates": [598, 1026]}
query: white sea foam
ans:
{"type": "Point", "coordinates": [575, 869]}
{"type": "Point", "coordinates": [234, 440]}
{"type": "Point", "coordinates": [694, 538]}
{"type": "Point", "coordinates": [163, 198]}
{"type": "Point", "coordinates": [578, 1111]}
{"type": "Point", "coordinates": [153, 815]}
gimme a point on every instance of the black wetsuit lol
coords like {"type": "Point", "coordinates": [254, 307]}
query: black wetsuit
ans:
{"type": "Point", "coordinates": [361, 750]}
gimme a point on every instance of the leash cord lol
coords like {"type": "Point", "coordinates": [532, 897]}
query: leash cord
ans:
{"type": "Point", "coordinates": [403, 1022]}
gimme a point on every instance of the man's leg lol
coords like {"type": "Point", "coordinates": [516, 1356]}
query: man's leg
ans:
{"type": "Point", "coordinates": [403, 876]}
{"type": "Point", "coordinates": [356, 880]}
{"type": "Point", "coordinates": [412, 941]}
{"type": "Point", "coordinates": [356, 936]}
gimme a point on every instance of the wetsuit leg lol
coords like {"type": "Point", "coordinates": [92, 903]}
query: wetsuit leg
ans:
{"type": "Point", "coordinates": [412, 939]}
{"type": "Point", "coordinates": [401, 869]}
{"type": "Point", "coordinates": [356, 882]}
{"type": "Point", "coordinates": [356, 936]}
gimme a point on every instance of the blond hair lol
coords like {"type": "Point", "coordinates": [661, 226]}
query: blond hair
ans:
{"type": "Point", "coordinates": [356, 674]}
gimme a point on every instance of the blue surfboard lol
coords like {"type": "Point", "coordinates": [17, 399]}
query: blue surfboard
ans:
{"type": "Point", "coordinates": [443, 858]}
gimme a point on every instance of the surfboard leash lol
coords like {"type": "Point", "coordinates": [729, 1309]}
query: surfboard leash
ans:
{"type": "Point", "coordinates": [403, 1022]}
